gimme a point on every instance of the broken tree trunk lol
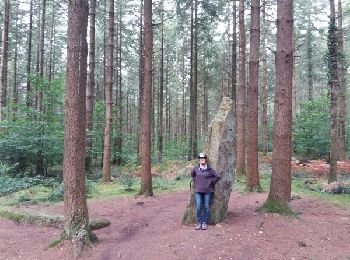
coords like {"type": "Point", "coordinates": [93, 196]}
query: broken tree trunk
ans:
{"type": "Point", "coordinates": [220, 150]}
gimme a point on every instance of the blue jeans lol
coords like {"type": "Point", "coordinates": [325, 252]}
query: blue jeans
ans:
{"type": "Point", "coordinates": [202, 198]}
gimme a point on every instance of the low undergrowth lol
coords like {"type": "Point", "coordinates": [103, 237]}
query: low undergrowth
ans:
{"type": "Point", "coordinates": [303, 184]}
{"type": "Point", "coordinates": [33, 190]}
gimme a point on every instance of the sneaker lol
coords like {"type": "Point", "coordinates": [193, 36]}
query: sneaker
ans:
{"type": "Point", "coordinates": [204, 226]}
{"type": "Point", "coordinates": [198, 226]}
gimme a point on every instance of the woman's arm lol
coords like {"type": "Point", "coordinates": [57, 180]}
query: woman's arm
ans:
{"type": "Point", "coordinates": [216, 176]}
{"type": "Point", "coordinates": [193, 173]}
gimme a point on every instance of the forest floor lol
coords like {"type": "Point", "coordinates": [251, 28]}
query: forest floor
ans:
{"type": "Point", "coordinates": [150, 228]}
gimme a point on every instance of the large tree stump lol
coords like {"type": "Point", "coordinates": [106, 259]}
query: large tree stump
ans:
{"type": "Point", "coordinates": [220, 150]}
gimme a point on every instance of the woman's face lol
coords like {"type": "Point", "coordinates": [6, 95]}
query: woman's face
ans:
{"type": "Point", "coordinates": [202, 160]}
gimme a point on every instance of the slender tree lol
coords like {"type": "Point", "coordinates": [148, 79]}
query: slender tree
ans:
{"type": "Point", "coordinates": [119, 92]}
{"type": "Point", "coordinates": [280, 187]}
{"type": "Point", "coordinates": [342, 88]}
{"type": "Point", "coordinates": [161, 88]}
{"type": "Point", "coordinates": [191, 115]}
{"type": "Point", "coordinates": [108, 98]}
{"type": "Point", "coordinates": [29, 55]}
{"type": "Point", "coordinates": [76, 227]}
{"type": "Point", "coordinates": [15, 66]}
{"type": "Point", "coordinates": [183, 100]}
{"type": "Point", "coordinates": [141, 74]}
{"type": "Point", "coordinates": [90, 85]}
{"type": "Point", "coordinates": [41, 49]}
{"type": "Point", "coordinates": [241, 95]}
{"type": "Point", "coordinates": [51, 70]}
{"type": "Point", "coordinates": [4, 60]}
{"type": "Point", "coordinates": [333, 84]}
{"type": "Point", "coordinates": [234, 53]}
{"type": "Point", "coordinates": [309, 52]}
{"type": "Point", "coordinates": [146, 104]}
{"type": "Point", "coordinates": [264, 82]}
{"type": "Point", "coordinates": [253, 182]}
{"type": "Point", "coordinates": [195, 83]}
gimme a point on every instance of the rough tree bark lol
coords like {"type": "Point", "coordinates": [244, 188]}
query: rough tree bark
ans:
{"type": "Point", "coordinates": [234, 54]}
{"type": "Point", "coordinates": [309, 58]}
{"type": "Point", "coordinates": [29, 56]}
{"type": "Point", "coordinates": [90, 86]}
{"type": "Point", "coordinates": [4, 60]}
{"type": "Point", "coordinates": [41, 59]}
{"type": "Point", "coordinates": [193, 84]}
{"type": "Point", "coordinates": [253, 182]}
{"type": "Point", "coordinates": [51, 68]}
{"type": "Point", "coordinates": [342, 88]}
{"type": "Point", "coordinates": [146, 114]}
{"type": "Point", "coordinates": [76, 228]}
{"type": "Point", "coordinates": [333, 84]}
{"type": "Point", "coordinates": [241, 103]}
{"type": "Point", "coordinates": [161, 89]}
{"type": "Point", "coordinates": [264, 83]}
{"type": "Point", "coordinates": [280, 187]}
{"type": "Point", "coordinates": [141, 76]}
{"type": "Point", "coordinates": [15, 67]}
{"type": "Point", "coordinates": [119, 92]}
{"type": "Point", "coordinates": [106, 177]}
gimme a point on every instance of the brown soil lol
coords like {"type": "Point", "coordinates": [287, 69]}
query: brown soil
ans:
{"type": "Point", "coordinates": [150, 228]}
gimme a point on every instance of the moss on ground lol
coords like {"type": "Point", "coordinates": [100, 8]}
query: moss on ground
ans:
{"type": "Point", "coordinates": [272, 206]}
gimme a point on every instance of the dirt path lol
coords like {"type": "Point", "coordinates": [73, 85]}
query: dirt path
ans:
{"type": "Point", "coordinates": [150, 228]}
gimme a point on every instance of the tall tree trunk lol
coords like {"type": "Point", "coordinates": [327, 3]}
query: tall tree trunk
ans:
{"type": "Point", "coordinates": [264, 83]}
{"type": "Point", "coordinates": [195, 83]}
{"type": "Point", "coordinates": [234, 55]}
{"type": "Point", "coordinates": [29, 56]}
{"type": "Point", "coordinates": [4, 60]}
{"type": "Point", "coordinates": [294, 86]}
{"type": "Point", "coordinates": [15, 82]}
{"type": "Point", "coordinates": [141, 77]}
{"type": "Point", "coordinates": [106, 177]}
{"type": "Point", "coordinates": [90, 87]}
{"type": "Point", "coordinates": [119, 94]}
{"type": "Point", "coordinates": [168, 121]}
{"type": "Point", "coordinates": [241, 95]}
{"type": "Point", "coordinates": [76, 227]}
{"type": "Point", "coordinates": [309, 58]}
{"type": "Point", "coordinates": [41, 53]}
{"type": "Point", "coordinates": [40, 104]}
{"type": "Point", "coordinates": [253, 182]}
{"type": "Point", "coordinates": [51, 72]}
{"type": "Point", "coordinates": [146, 114]}
{"type": "Point", "coordinates": [280, 187]}
{"type": "Point", "coordinates": [342, 88]}
{"type": "Point", "coordinates": [100, 93]}
{"type": "Point", "coordinates": [205, 109]}
{"type": "Point", "coordinates": [183, 101]}
{"type": "Point", "coordinates": [161, 89]}
{"type": "Point", "coordinates": [333, 84]}
{"type": "Point", "coordinates": [191, 116]}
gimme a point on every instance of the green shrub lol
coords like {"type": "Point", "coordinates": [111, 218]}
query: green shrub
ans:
{"type": "Point", "coordinates": [126, 181]}
{"type": "Point", "coordinates": [311, 130]}
{"type": "Point", "coordinates": [56, 194]}
{"type": "Point", "coordinates": [33, 136]}
{"type": "Point", "coordinates": [10, 185]}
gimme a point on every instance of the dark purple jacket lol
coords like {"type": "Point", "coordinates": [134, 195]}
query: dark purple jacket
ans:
{"type": "Point", "coordinates": [204, 180]}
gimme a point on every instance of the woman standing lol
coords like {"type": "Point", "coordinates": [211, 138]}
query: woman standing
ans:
{"type": "Point", "coordinates": [204, 178]}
